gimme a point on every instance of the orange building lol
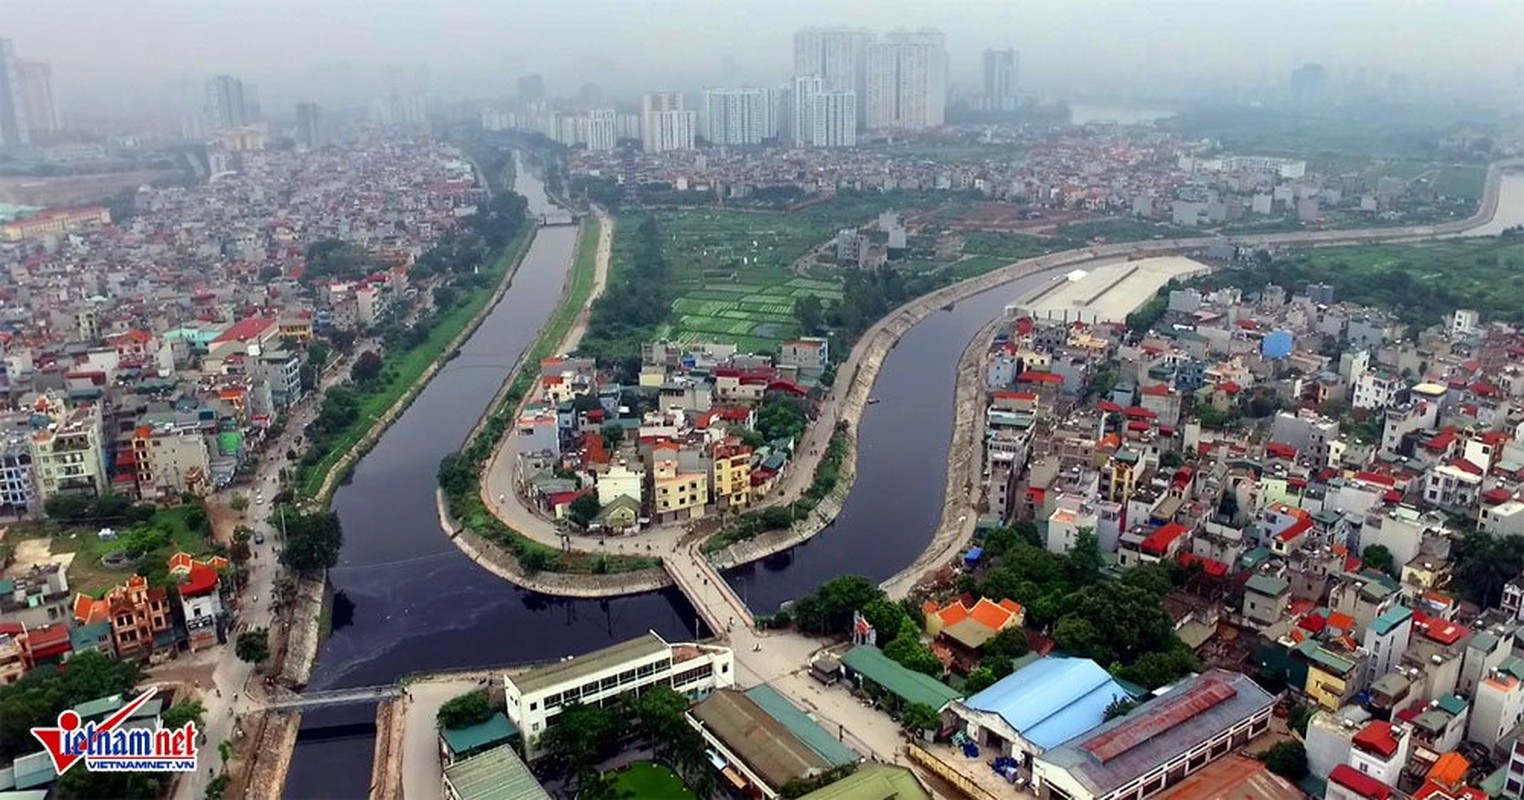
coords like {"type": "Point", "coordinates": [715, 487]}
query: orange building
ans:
{"type": "Point", "coordinates": [139, 616]}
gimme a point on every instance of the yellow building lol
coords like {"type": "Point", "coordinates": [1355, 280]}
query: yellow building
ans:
{"type": "Point", "coordinates": [55, 222]}
{"type": "Point", "coordinates": [296, 329]}
{"type": "Point", "coordinates": [731, 475]}
{"type": "Point", "coordinates": [1328, 677]}
{"type": "Point", "coordinates": [678, 494]}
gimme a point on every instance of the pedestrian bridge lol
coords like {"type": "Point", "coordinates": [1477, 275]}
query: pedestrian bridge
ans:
{"type": "Point", "coordinates": [557, 218]}
{"type": "Point", "coordinates": [332, 697]}
{"type": "Point", "coordinates": [712, 598]}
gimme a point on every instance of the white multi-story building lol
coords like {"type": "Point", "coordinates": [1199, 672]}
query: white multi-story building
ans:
{"type": "Point", "coordinates": [1000, 70]}
{"type": "Point", "coordinates": [15, 128]}
{"type": "Point", "coordinates": [67, 457]}
{"type": "Point", "coordinates": [1498, 705]}
{"type": "Point", "coordinates": [18, 487]}
{"type": "Point", "coordinates": [536, 697]}
{"type": "Point", "coordinates": [835, 54]}
{"type": "Point", "coordinates": [1376, 389]}
{"type": "Point", "coordinates": [1464, 322]}
{"type": "Point", "coordinates": [802, 109]}
{"type": "Point", "coordinates": [907, 81]}
{"type": "Point", "coordinates": [665, 124]}
{"type": "Point", "coordinates": [1380, 750]}
{"type": "Point", "coordinates": [739, 116]}
{"type": "Point", "coordinates": [602, 129]}
{"type": "Point", "coordinates": [834, 120]}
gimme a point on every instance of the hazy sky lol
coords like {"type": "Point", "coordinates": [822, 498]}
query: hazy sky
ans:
{"type": "Point", "coordinates": [325, 49]}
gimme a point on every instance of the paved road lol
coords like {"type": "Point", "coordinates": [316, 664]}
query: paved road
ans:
{"type": "Point", "coordinates": [422, 775]}
{"type": "Point", "coordinates": [253, 605]}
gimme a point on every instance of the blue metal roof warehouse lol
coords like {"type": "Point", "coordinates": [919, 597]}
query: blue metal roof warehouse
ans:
{"type": "Point", "coordinates": [1041, 705]}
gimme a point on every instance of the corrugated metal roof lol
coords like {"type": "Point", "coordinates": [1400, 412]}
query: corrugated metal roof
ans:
{"type": "Point", "coordinates": [1074, 757]}
{"type": "Point", "coordinates": [496, 730]}
{"type": "Point", "coordinates": [1171, 710]}
{"type": "Point", "coordinates": [497, 774]}
{"type": "Point", "coordinates": [799, 723]}
{"type": "Point", "coordinates": [873, 782]}
{"type": "Point", "coordinates": [1052, 700]}
{"type": "Point", "coordinates": [908, 685]}
{"type": "Point", "coordinates": [752, 735]}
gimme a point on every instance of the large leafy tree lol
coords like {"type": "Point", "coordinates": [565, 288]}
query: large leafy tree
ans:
{"type": "Point", "coordinates": [253, 646]}
{"type": "Point", "coordinates": [1114, 623]}
{"type": "Point", "coordinates": [907, 650]}
{"type": "Point", "coordinates": [464, 711]}
{"type": "Point", "coordinates": [660, 712]}
{"type": "Point", "coordinates": [578, 738]}
{"type": "Point", "coordinates": [313, 540]}
{"type": "Point", "coordinates": [1484, 563]}
{"type": "Point", "coordinates": [37, 698]}
{"type": "Point", "coordinates": [830, 609]}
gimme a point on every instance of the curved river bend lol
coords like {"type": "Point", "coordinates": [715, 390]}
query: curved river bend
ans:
{"type": "Point", "coordinates": [410, 599]}
{"type": "Point", "coordinates": [419, 604]}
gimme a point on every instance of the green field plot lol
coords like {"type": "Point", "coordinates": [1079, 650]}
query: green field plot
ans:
{"type": "Point", "coordinates": [733, 271]}
{"type": "Point", "coordinates": [1420, 282]}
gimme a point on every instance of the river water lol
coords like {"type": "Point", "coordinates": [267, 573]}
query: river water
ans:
{"type": "Point", "coordinates": [419, 604]}
{"type": "Point", "coordinates": [410, 599]}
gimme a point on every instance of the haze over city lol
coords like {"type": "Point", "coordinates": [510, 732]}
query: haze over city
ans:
{"type": "Point", "coordinates": [341, 51]}
{"type": "Point", "coordinates": [678, 400]}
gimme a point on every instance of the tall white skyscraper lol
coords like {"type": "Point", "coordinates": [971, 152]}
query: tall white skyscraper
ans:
{"type": "Point", "coordinates": [15, 128]}
{"type": "Point", "coordinates": [739, 116]}
{"type": "Point", "coordinates": [226, 106]}
{"type": "Point", "coordinates": [1001, 68]}
{"type": "Point", "coordinates": [601, 129]}
{"type": "Point", "coordinates": [907, 81]}
{"type": "Point", "coordinates": [837, 55]}
{"type": "Point", "coordinates": [37, 95]}
{"type": "Point", "coordinates": [665, 124]}
{"type": "Point", "coordinates": [802, 103]}
{"type": "Point", "coordinates": [834, 119]}
{"type": "Point", "coordinates": [309, 126]}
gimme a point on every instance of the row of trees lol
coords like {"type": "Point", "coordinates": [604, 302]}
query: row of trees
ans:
{"type": "Point", "coordinates": [636, 301]}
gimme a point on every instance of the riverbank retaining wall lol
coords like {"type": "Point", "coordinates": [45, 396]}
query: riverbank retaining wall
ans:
{"type": "Point", "coordinates": [306, 629]}
{"type": "Point", "coordinates": [386, 759]}
{"type": "Point", "coordinates": [499, 561]}
{"type": "Point", "coordinates": [965, 470]}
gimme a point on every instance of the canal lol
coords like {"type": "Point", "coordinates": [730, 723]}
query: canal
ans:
{"type": "Point", "coordinates": [407, 598]}
{"type": "Point", "coordinates": [411, 601]}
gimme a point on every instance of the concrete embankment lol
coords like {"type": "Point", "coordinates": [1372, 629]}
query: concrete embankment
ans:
{"type": "Point", "coordinates": [304, 633]}
{"type": "Point", "coordinates": [274, 742]}
{"type": "Point", "coordinates": [965, 469]}
{"type": "Point", "coordinates": [500, 562]}
{"type": "Point", "coordinates": [386, 760]}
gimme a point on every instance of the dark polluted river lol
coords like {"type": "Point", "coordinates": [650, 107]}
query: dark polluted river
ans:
{"type": "Point", "coordinates": [410, 600]}
{"type": "Point", "coordinates": [896, 503]}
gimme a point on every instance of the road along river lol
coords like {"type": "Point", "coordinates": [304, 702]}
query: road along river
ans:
{"type": "Point", "coordinates": [409, 599]}
{"type": "Point", "coordinates": [412, 601]}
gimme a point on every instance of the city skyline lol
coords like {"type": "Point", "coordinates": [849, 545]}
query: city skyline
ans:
{"type": "Point", "coordinates": [1096, 47]}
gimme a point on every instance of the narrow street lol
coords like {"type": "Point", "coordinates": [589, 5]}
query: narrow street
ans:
{"type": "Point", "coordinates": [227, 699]}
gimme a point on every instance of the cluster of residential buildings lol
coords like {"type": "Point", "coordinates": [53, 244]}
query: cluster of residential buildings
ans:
{"type": "Point", "coordinates": [141, 356]}
{"type": "Point", "coordinates": [843, 80]}
{"type": "Point", "coordinates": [43, 623]}
{"type": "Point", "coordinates": [669, 448]}
{"type": "Point", "coordinates": [1361, 438]}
